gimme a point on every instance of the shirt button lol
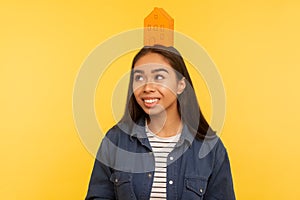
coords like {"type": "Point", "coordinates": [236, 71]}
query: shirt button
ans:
{"type": "Point", "coordinates": [170, 182]}
{"type": "Point", "coordinates": [201, 190]}
{"type": "Point", "coordinates": [149, 175]}
{"type": "Point", "coordinates": [116, 180]}
{"type": "Point", "coordinates": [171, 158]}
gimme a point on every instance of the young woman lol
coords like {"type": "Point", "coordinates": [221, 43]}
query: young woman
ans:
{"type": "Point", "coordinates": [154, 151]}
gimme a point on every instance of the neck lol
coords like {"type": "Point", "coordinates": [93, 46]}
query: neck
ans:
{"type": "Point", "coordinates": [165, 126]}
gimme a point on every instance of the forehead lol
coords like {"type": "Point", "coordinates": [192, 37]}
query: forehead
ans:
{"type": "Point", "coordinates": [152, 59]}
{"type": "Point", "coordinates": [153, 68]}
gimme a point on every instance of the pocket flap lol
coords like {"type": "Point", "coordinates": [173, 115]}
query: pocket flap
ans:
{"type": "Point", "coordinates": [120, 177]}
{"type": "Point", "coordinates": [197, 185]}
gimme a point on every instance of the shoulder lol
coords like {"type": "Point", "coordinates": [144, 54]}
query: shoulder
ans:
{"type": "Point", "coordinates": [117, 132]}
{"type": "Point", "coordinates": [211, 147]}
{"type": "Point", "coordinates": [114, 139]}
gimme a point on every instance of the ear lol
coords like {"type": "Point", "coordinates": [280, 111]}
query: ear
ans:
{"type": "Point", "coordinates": [181, 86]}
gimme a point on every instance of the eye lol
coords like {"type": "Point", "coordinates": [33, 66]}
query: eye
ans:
{"type": "Point", "coordinates": [159, 77]}
{"type": "Point", "coordinates": [138, 78]}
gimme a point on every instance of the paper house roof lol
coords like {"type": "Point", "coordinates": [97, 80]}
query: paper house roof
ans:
{"type": "Point", "coordinates": [159, 28]}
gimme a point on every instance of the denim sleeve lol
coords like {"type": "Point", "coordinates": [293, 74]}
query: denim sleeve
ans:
{"type": "Point", "coordinates": [100, 186]}
{"type": "Point", "coordinates": [220, 184]}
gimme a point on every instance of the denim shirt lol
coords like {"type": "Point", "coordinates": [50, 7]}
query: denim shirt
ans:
{"type": "Point", "coordinates": [125, 165]}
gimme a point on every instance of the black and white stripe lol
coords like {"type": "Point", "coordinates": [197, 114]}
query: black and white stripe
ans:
{"type": "Point", "coordinates": [161, 148]}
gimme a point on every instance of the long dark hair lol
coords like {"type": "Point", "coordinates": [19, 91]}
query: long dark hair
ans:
{"type": "Point", "coordinates": [188, 106]}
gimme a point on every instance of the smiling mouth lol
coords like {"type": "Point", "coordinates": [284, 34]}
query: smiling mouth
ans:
{"type": "Point", "coordinates": [150, 102]}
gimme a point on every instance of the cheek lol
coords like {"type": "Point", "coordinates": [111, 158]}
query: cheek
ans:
{"type": "Point", "coordinates": [168, 91]}
{"type": "Point", "coordinates": [136, 93]}
{"type": "Point", "coordinates": [137, 88]}
{"type": "Point", "coordinates": [169, 87]}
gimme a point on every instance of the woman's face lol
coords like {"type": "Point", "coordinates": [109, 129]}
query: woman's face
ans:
{"type": "Point", "coordinates": [155, 85]}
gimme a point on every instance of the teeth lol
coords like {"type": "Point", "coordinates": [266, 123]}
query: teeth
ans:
{"type": "Point", "coordinates": [150, 100]}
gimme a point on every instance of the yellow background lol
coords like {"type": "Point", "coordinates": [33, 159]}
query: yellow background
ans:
{"type": "Point", "coordinates": [255, 45]}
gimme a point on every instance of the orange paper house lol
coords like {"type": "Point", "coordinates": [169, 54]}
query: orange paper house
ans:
{"type": "Point", "coordinates": [159, 28]}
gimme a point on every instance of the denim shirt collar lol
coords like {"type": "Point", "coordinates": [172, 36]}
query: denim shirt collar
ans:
{"type": "Point", "coordinates": [139, 132]}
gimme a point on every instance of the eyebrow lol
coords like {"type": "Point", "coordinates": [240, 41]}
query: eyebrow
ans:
{"type": "Point", "coordinates": [159, 70]}
{"type": "Point", "coordinates": [138, 71]}
{"type": "Point", "coordinates": [153, 71]}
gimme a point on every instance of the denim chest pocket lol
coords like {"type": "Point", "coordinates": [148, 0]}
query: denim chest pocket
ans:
{"type": "Point", "coordinates": [123, 185]}
{"type": "Point", "coordinates": [194, 188]}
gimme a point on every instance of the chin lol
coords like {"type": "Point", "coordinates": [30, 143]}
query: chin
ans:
{"type": "Point", "coordinates": [155, 112]}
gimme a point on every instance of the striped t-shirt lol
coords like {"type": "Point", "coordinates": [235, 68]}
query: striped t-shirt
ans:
{"type": "Point", "coordinates": [161, 148]}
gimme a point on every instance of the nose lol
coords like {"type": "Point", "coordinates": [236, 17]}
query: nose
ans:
{"type": "Point", "coordinates": [149, 87]}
